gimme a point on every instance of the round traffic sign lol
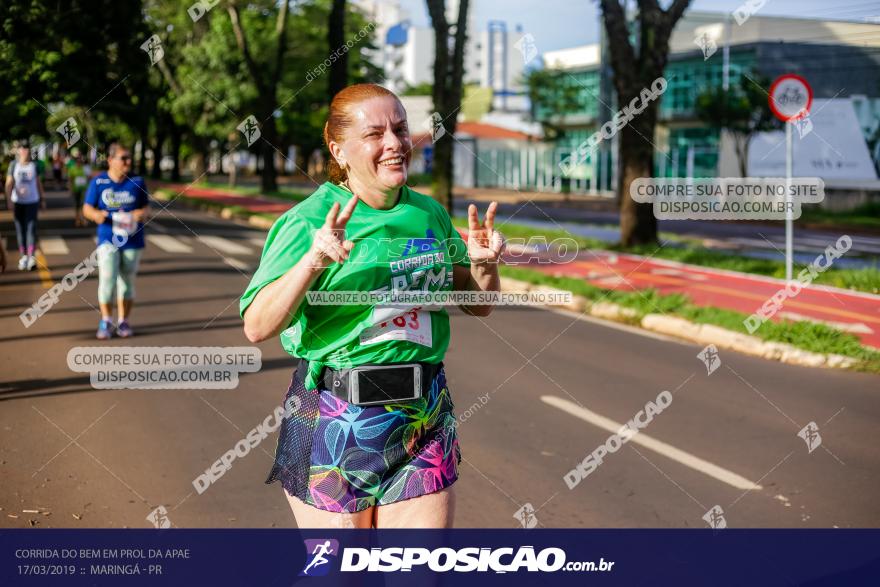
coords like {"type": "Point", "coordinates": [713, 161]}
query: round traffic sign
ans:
{"type": "Point", "coordinates": [790, 97]}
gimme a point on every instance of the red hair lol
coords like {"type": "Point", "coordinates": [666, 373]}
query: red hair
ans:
{"type": "Point", "coordinates": [339, 119]}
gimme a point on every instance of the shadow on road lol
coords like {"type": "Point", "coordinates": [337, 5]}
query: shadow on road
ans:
{"type": "Point", "coordinates": [25, 385]}
{"type": "Point", "coordinates": [142, 329]}
{"type": "Point", "coordinates": [16, 309]}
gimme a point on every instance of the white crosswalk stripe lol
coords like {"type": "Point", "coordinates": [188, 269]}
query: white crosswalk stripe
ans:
{"type": "Point", "coordinates": [258, 241]}
{"type": "Point", "coordinates": [53, 245]}
{"type": "Point", "coordinates": [169, 244]}
{"type": "Point", "coordinates": [224, 245]}
{"type": "Point", "coordinates": [240, 265]}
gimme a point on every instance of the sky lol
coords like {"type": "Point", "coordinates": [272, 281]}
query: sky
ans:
{"type": "Point", "coordinates": [560, 24]}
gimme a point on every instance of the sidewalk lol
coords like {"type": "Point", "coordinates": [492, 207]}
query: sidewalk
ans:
{"type": "Point", "coordinates": [854, 312]}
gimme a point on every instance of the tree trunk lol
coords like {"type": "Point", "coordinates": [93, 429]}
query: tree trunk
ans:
{"type": "Point", "coordinates": [441, 185]}
{"type": "Point", "coordinates": [638, 55]}
{"type": "Point", "coordinates": [638, 225]}
{"type": "Point", "coordinates": [447, 94]}
{"type": "Point", "coordinates": [268, 140]}
{"type": "Point", "coordinates": [233, 169]}
{"type": "Point", "coordinates": [200, 158]}
{"type": "Point", "coordinates": [741, 142]}
{"type": "Point", "coordinates": [267, 85]}
{"type": "Point", "coordinates": [176, 137]}
{"type": "Point", "coordinates": [156, 171]}
{"type": "Point", "coordinates": [338, 78]}
{"type": "Point", "coordinates": [145, 140]}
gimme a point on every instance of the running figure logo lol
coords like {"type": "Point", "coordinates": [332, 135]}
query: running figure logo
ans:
{"type": "Point", "coordinates": [707, 45]}
{"type": "Point", "coordinates": [159, 517]}
{"type": "Point", "coordinates": [715, 518]}
{"type": "Point", "coordinates": [437, 128]}
{"type": "Point", "coordinates": [317, 552]}
{"type": "Point", "coordinates": [810, 435]}
{"type": "Point", "coordinates": [804, 126]}
{"type": "Point", "coordinates": [710, 358]}
{"type": "Point", "coordinates": [69, 131]}
{"type": "Point", "coordinates": [526, 46]}
{"type": "Point", "coordinates": [250, 129]}
{"type": "Point", "coordinates": [153, 48]}
{"type": "Point", "coordinates": [526, 516]}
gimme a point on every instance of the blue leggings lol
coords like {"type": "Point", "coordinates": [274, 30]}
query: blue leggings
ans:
{"type": "Point", "coordinates": [25, 216]}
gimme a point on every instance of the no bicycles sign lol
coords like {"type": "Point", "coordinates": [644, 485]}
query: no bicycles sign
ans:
{"type": "Point", "coordinates": [790, 97]}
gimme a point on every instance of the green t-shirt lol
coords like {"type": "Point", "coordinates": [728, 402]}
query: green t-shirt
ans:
{"type": "Point", "coordinates": [411, 246]}
{"type": "Point", "coordinates": [77, 175]}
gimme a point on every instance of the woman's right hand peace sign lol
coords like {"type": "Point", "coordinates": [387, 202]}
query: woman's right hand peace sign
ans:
{"type": "Point", "coordinates": [329, 245]}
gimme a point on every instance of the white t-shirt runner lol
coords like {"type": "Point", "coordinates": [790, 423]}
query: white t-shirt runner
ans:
{"type": "Point", "coordinates": [24, 189]}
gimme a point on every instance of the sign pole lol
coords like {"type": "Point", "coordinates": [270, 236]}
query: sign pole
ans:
{"type": "Point", "coordinates": [789, 163]}
{"type": "Point", "coordinates": [790, 98]}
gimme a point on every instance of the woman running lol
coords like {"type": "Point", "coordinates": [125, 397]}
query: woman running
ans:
{"type": "Point", "coordinates": [373, 442]}
{"type": "Point", "coordinates": [25, 189]}
{"type": "Point", "coordinates": [119, 205]}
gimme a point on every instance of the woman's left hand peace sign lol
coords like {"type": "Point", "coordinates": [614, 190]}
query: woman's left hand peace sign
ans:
{"type": "Point", "coordinates": [485, 244]}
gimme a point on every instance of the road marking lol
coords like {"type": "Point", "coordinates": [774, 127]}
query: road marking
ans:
{"type": "Point", "coordinates": [240, 265]}
{"type": "Point", "coordinates": [53, 245]}
{"type": "Point", "coordinates": [678, 273]}
{"type": "Point", "coordinates": [43, 270]}
{"type": "Point", "coordinates": [169, 244]}
{"type": "Point", "coordinates": [258, 241]}
{"type": "Point", "coordinates": [668, 451]}
{"type": "Point", "coordinates": [612, 281]}
{"type": "Point", "coordinates": [224, 245]}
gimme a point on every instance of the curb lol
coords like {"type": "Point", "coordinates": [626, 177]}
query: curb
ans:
{"type": "Point", "coordinates": [704, 334]}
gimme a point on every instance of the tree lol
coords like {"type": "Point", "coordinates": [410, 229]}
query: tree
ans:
{"type": "Point", "coordinates": [635, 67]}
{"type": "Point", "coordinates": [305, 96]}
{"type": "Point", "coordinates": [199, 61]}
{"type": "Point", "coordinates": [448, 89]}
{"type": "Point", "coordinates": [742, 110]}
{"type": "Point", "coordinates": [422, 89]}
{"type": "Point", "coordinates": [208, 87]}
{"type": "Point", "coordinates": [265, 74]}
{"type": "Point", "coordinates": [50, 60]}
{"type": "Point", "coordinates": [551, 93]}
{"type": "Point", "coordinates": [338, 78]}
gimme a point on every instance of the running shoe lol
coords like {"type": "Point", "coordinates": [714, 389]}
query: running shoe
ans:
{"type": "Point", "coordinates": [124, 330]}
{"type": "Point", "coordinates": [22, 263]}
{"type": "Point", "coordinates": [31, 263]}
{"type": "Point", "coordinates": [105, 330]}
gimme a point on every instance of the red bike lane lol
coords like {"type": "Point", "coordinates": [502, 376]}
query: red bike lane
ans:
{"type": "Point", "coordinates": [855, 312]}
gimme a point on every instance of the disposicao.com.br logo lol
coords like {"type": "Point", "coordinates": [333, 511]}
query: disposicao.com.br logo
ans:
{"type": "Point", "coordinates": [441, 560]}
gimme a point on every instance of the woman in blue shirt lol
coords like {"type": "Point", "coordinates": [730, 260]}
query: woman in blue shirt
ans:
{"type": "Point", "coordinates": [118, 204]}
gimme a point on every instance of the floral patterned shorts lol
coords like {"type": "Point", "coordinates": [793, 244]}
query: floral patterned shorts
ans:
{"type": "Point", "coordinates": [341, 457]}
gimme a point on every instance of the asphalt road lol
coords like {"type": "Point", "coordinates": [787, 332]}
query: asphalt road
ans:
{"type": "Point", "coordinates": [553, 386]}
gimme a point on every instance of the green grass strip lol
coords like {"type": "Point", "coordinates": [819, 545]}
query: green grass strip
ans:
{"type": "Point", "coordinates": [809, 336]}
